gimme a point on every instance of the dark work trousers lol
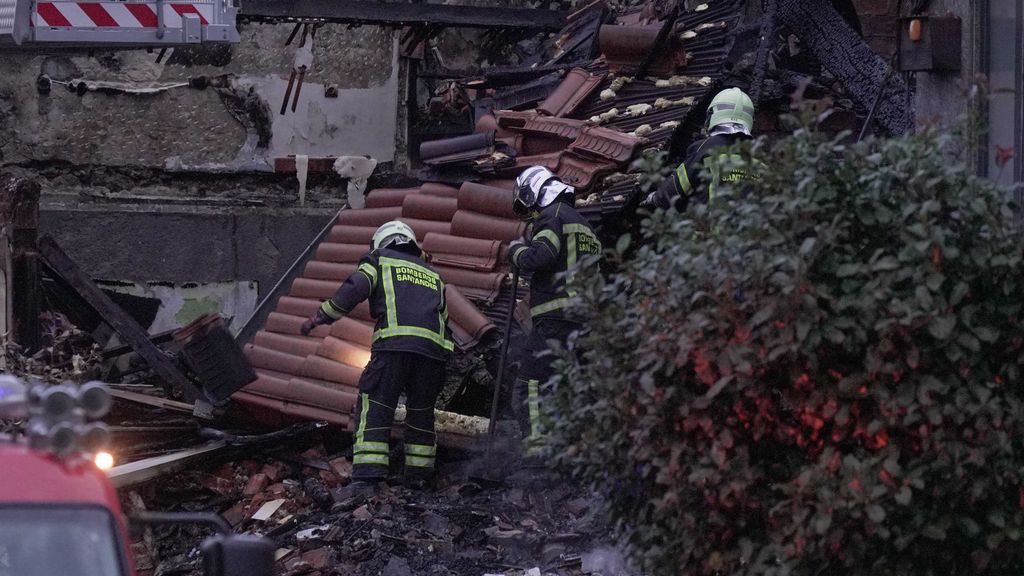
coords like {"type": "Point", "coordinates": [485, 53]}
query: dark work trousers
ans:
{"type": "Point", "coordinates": [535, 368]}
{"type": "Point", "coordinates": [385, 378]}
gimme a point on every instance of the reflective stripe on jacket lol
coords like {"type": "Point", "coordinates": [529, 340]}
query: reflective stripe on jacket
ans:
{"type": "Point", "coordinates": [407, 301]}
{"type": "Point", "coordinates": [562, 237]}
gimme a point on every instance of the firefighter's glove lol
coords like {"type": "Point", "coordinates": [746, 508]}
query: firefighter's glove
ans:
{"type": "Point", "coordinates": [514, 249]}
{"type": "Point", "coordinates": [315, 320]}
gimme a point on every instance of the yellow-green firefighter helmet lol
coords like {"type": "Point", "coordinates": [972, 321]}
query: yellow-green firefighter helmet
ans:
{"type": "Point", "coordinates": [731, 106]}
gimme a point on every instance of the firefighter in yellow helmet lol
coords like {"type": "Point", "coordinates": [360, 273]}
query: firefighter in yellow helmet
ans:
{"type": "Point", "coordinates": [411, 346]}
{"type": "Point", "coordinates": [730, 120]}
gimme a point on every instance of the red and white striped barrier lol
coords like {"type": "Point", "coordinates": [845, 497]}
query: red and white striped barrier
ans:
{"type": "Point", "coordinates": [116, 14]}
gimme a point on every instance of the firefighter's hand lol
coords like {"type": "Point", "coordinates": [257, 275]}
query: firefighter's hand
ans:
{"type": "Point", "coordinates": [308, 326]}
{"type": "Point", "coordinates": [514, 247]}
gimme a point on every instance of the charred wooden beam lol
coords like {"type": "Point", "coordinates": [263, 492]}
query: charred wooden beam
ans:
{"type": "Point", "coordinates": [112, 314]}
{"type": "Point", "coordinates": [19, 210]}
{"type": "Point", "coordinates": [397, 14]}
{"type": "Point", "coordinates": [844, 53]}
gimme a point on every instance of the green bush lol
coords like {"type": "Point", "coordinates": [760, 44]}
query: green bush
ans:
{"type": "Point", "coordinates": [822, 377]}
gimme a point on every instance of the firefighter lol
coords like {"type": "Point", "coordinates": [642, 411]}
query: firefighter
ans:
{"type": "Point", "coordinates": [411, 345]}
{"type": "Point", "coordinates": [730, 119]}
{"type": "Point", "coordinates": [561, 238]}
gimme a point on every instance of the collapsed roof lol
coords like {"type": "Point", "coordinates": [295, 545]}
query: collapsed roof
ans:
{"type": "Point", "coordinates": [612, 88]}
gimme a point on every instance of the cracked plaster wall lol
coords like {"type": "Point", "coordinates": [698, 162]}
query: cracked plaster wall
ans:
{"type": "Point", "coordinates": [211, 128]}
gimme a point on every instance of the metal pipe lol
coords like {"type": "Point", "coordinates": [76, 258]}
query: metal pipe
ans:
{"type": "Point", "coordinates": [288, 92]}
{"type": "Point", "coordinates": [878, 98]}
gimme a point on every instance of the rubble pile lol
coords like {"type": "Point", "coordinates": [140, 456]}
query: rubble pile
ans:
{"type": "Point", "coordinates": [67, 354]}
{"type": "Point", "coordinates": [469, 524]}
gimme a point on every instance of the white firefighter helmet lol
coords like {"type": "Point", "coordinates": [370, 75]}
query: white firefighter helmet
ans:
{"type": "Point", "coordinates": [393, 232]}
{"type": "Point", "coordinates": [537, 187]}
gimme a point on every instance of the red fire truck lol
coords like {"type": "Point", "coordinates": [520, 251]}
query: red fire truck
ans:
{"type": "Point", "coordinates": [60, 515]}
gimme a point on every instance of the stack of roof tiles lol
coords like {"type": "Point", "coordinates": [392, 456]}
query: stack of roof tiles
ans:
{"type": "Point", "coordinates": [590, 126]}
{"type": "Point", "coordinates": [465, 230]}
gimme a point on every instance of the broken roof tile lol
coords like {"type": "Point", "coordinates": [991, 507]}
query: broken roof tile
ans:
{"type": "Point", "coordinates": [385, 197]}
{"type": "Point", "coordinates": [603, 143]}
{"type": "Point", "coordinates": [574, 89]}
{"type": "Point", "coordinates": [549, 161]}
{"type": "Point", "coordinates": [458, 149]}
{"type": "Point", "coordinates": [474, 225]}
{"type": "Point", "coordinates": [426, 207]}
{"type": "Point", "coordinates": [486, 199]}
{"type": "Point", "coordinates": [582, 173]}
{"type": "Point", "coordinates": [626, 47]}
{"type": "Point", "coordinates": [512, 118]}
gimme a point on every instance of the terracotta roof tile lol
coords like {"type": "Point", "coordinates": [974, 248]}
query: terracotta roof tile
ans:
{"type": "Point", "coordinates": [352, 235]}
{"type": "Point", "coordinates": [626, 47]}
{"type": "Point", "coordinates": [343, 351]}
{"type": "Point", "coordinates": [457, 150]}
{"type": "Point", "coordinates": [303, 307]}
{"type": "Point", "coordinates": [369, 217]}
{"type": "Point", "coordinates": [297, 345]}
{"type": "Point", "coordinates": [605, 144]}
{"type": "Point", "coordinates": [261, 357]}
{"type": "Point", "coordinates": [582, 173]}
{"type": "Point", "coordinates": [334, 252]}
{"type": "Point", "coordinates": [574, 89]}
{"type": "Point", "coordinates": [274, 412]}
{"type": "Point", "coordinates": [462, 252]}
{"type": "Point", "coordinates": [384, 197]}
{"type": "Point", "coordinates": [566, 128]}
{"type": "Point", "coordinates": [474, 225]}
{"type": "Point", "coordinates": [486, 199]}
{"type": "Point", "coordinates": [303, 390]}
{"type": "Point", "coordinates": [437, 189]}
{"type": "Point", "coordinates": [337, 273]}
{"type": "Point", "coordinates": [424, 227]}
{"type": "Point", "coordinates": [429, 207]}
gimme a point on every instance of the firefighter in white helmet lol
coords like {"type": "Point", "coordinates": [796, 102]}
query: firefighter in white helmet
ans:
{"type": "Point", "coordinates": [561, 239]}
{"type": "Point", "coordinates": [411, 346]}
{"type": "Point", "coordinates": [730, 119]}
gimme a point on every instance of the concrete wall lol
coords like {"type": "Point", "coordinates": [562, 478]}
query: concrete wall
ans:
{"type": "Point", "coordinates": [233, 124]}
{"type": "Point", "coordinates": [185, 256]}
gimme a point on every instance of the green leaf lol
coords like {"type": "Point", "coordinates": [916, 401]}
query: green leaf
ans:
{"type": "Point", "coordinates": [847, 270]}
{"type": "Point", "coordinates": [941, 327]}
{"type": "Point", "coordinates": [822, 522]}
{"type": "Point", "coordinates": [986, 334]}
{"type": "Point", "coordinates": [903, 496]}
{"type": "Point", "coordinates": [623, 243]}
{"type": "Point", "coordinates": [876, 513]}
{"type": "Point", "coordinates": [934, 532]}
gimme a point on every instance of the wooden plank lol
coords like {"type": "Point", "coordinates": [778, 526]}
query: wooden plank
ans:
{"type": "Point", "coordinates": [143, 470]}
{"type": "Point", "coordinates": [399, 14]}
{"type": "Point", "coordinates": [119, 320]}
{"type": "Point", "coordinates": [154, 401]}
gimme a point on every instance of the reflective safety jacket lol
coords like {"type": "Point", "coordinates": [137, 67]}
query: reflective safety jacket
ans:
{"type": "Point", "coordinates": [561, 237]}
{"type": "Point", "coordinates": [685, 183]}
{"type": "Point", "coordinates": [407, 300]}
